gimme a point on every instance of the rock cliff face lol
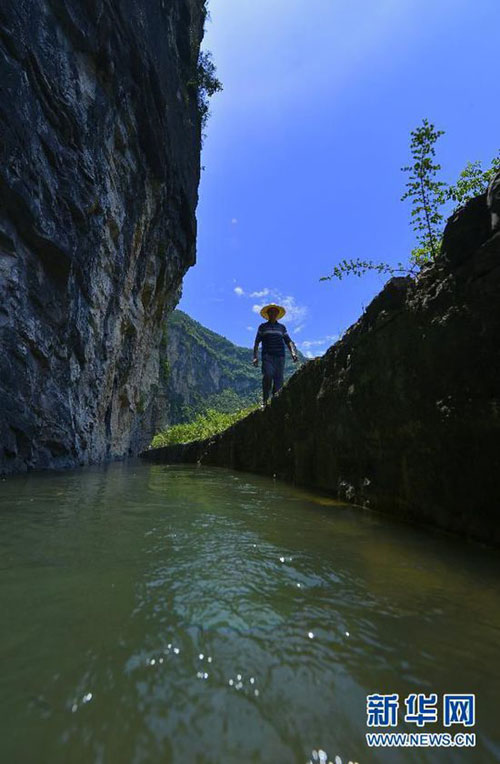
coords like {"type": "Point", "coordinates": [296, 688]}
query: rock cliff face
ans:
{"type": "Point", "coordinates": [98, 189]}
{"type": "Point", "coordinates": [201, 369]}
{"type": "Point", "coordinates": [403, 414]}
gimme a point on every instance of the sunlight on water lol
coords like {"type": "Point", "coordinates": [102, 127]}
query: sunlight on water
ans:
{"type": "Point", "coordinates": [172, 613]}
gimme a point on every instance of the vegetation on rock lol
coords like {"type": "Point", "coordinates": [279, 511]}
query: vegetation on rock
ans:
{"type": "Point", "coordinates": [472, 181]}
{"type": "Point", "coordinates": [205, 425]}
{"type": "Point", "coordinates": [429, 197]}
{"type": "Point", "coordinates": [427, 194]}
{"type": "Point", "coordinates": [206, 84]}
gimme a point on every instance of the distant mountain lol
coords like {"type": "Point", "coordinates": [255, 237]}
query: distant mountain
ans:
{"type": "Point", "coordinates": [202, 369]}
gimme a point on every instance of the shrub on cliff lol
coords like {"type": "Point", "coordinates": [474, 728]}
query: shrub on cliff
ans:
{"type": "Point", "coordinates": [428, 196]}
{"type": "Point", "coordinates": [206, 84]}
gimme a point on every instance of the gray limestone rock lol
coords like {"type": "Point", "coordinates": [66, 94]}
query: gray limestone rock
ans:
{"type": "Point", "coordinates": [493, 201]}
{"type": "Point", "coordinates": [100, 142]}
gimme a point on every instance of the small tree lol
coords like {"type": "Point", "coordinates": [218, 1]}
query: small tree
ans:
{"type": "Point", "coordinates": [206, 83]}
{"type": "Point", "coordinates": [428, 196]}
{"type": "Point", "coordinates": [359, 267]}
{"type": "Point", "coordinates": [426, 193]}
{"type": "Point", "coordinates": [472, 181]}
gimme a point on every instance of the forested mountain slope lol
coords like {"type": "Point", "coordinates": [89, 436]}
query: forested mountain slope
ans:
{"type": "Point", "coordinates": [201, 369]}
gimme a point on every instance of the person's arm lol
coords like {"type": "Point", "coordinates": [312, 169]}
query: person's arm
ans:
{"type": "Point", "coordinates": [291, 346]}
{"type": "Point", "coordinates": [258, 339]}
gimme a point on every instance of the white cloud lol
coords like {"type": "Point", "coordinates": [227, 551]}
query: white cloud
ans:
{"type": "Point", "coordinates": [321, 345]}
{"type": "Point", "coordinates": [251, 328]}
{"type": "Point", "coordinates": [234, 221]}
{"type": "Point", "coordinates": [294, 313]}
{"type": "Point", "coordinates": [311, 343]}
{"type": "Point", "coordinates": [298, 328]}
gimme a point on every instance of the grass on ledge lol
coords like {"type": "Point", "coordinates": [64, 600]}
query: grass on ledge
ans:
{"type": "Point", "coordinates": [205, 425]}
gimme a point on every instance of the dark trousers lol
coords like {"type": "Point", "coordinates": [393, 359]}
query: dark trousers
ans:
{"type": "Point", "coordinates": [272, 373]}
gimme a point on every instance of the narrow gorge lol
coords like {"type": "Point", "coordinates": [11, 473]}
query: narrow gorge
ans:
{"type": "Point", "coordinates": [316, 582]}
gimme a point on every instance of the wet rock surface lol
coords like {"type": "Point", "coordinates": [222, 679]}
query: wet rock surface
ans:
{"type": "Point", "coordinates": [98, 189]}
{"type": "Point", "coordinates": [402, 415]}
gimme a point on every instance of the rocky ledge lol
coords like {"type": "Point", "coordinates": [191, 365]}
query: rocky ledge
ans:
{"type": "Point", "coordinates": [402, 415]}
{"type": "Point", "coordinates": [99, 174]}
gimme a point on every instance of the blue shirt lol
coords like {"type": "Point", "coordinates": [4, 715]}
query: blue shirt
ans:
{"type": "Point", "coordinates": [273, 338]}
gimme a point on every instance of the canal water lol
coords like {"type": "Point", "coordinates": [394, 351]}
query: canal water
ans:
{"type": "Point", "coordinates": [155, 613]}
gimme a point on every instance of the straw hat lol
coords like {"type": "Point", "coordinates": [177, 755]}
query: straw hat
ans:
{"type": "Point", "coordinates": [281, 310]}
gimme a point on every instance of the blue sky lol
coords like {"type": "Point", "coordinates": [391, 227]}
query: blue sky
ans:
{"type": "Point", "coordinates": [304, 148]}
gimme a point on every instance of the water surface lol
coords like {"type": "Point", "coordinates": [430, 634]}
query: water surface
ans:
{"type": "Point", "coordinates": [157, 613]}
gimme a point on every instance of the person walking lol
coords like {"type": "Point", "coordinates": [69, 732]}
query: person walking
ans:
{"type": "Point", "coordinates": [273, 336]}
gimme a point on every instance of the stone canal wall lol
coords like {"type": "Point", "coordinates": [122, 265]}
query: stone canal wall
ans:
{"type": "Point", "coordinates": [402, 415]}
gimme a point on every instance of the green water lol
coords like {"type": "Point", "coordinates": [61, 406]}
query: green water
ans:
{"type": "Point", "coordinates": [164, 614]}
